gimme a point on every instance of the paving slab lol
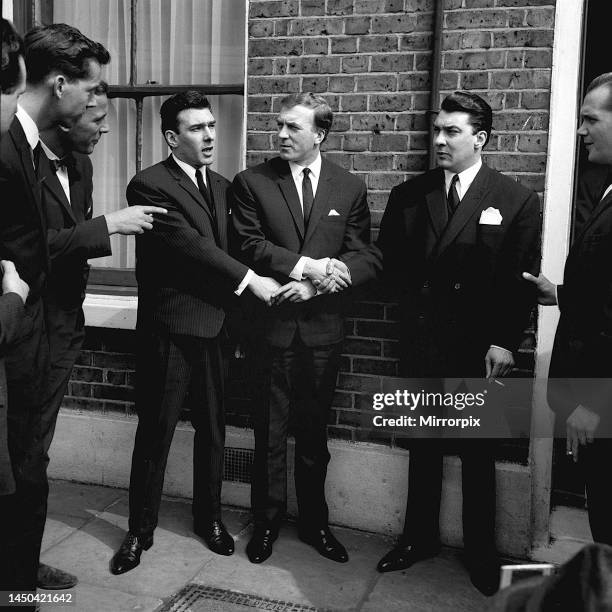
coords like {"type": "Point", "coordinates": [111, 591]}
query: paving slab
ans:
{"type": "Point", "coordinates": [296, 572]}
{"type": "Point", "coordinates": [440, 584]}
{"type": "Point", "coordinates": [177, 555]}
{"type": "Point", "coordinates": [80, 500]}
{"type": "Point", "coordinates": [90, 598]}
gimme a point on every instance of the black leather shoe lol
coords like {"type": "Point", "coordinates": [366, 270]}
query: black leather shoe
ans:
{"type": "Point", "coordinates": [402, 557]}
{"type": "Point", "coordinates": [484, 575]}
{"type": "Point", "coordinates": [52, 578]}
{"type": "Point", "coordinates": [325, 544]}
{"type": "Point", "coordinates": [128, 555]}
{"type": "Point", "coordinates": [216, 536]}
{"type": "Point", "coordinates": [259, 547]}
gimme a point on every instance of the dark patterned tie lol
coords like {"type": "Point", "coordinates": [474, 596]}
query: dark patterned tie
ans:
{"type": "Point", "coordinates": [452, 199]}
{"type": "Point", "coordinates": [205, 193]}
{"type": "Point", "coordinates": [307, 195]}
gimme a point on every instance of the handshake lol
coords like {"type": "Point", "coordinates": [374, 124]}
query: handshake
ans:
{"type": "Point", "coordinates": [322, 276]}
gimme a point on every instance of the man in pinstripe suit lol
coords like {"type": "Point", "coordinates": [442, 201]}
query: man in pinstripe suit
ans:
{"type": "Point", "coordinates": [185, 279]}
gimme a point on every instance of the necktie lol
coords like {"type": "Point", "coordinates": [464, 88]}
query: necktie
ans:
{"type": "Point", "coordinates": [36, 153]}
{"type": "Point", "coordinates": [204, 191]}
{"type": "Point", "coordinates": [63, 162]}
{"type": "Point", "coordinates": [307, 195]}
{"type": "Point", "coordinates": [452, 200]}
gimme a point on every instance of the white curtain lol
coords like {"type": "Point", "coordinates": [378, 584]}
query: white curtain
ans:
{"type": "Point", "coordinates": [179, 42]}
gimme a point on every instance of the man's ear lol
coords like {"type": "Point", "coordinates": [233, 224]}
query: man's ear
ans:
{"type": "Point", "coordinates": [170, 136]}
{"type": "Point", "coordinates": [481, 139]}
{"type": "Point", "coordinates": [320, 136]}
{"type": "Point", "coordinates": [59, 85]}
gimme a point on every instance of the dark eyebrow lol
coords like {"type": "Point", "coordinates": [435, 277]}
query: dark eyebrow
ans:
{"type": "Point", "coordinates": [201, 124]}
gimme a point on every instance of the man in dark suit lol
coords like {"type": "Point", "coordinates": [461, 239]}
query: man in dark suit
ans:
{"type": "Point", "coordinates": [63, 69]}
{"type": "Point", "coordinates": [580, 389]}
{"type": "Point", "coordinates": [74, 235]}
{"type": "Point", "coordinates": [185, 279]}
{"type": "Point", "coordinates": [304, 221]}
{"type": "Point", "coordinates": [455, 241]}
{"type": "Point", "coordinates": [14, 290]}
{"type": "Point", "coordinates": [14, 295]}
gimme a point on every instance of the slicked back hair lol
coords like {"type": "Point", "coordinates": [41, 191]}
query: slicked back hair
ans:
{"type": "Point", "coordinates": [178, 102]}
{"type": "Point", "coordinates": [323, 115]}
{"type": "Point", "coordinates": [60, 48]}
{"type": "Point", "coordinates": [12, 48]}
{"type": "Point", "coordinates": [603, 80]}
{"type": "Point", "coordinates": [481, 114]}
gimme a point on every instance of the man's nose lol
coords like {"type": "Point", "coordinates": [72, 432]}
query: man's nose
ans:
{"type": "Point", "coordinates": [104, 128]}
{"type": "Point", "coordinates": [582, 130]}
{"type": "Point", "coordinates": [282, 133]}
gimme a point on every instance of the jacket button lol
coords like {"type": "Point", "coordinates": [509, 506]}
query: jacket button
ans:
{"type": "Point", "coordinates": [457, 285]}
{"type": "Point", "coordinates": [426, 285]}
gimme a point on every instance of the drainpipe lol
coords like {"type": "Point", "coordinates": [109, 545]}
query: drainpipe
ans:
{"type": "Point", "coordinates": [436, 65]}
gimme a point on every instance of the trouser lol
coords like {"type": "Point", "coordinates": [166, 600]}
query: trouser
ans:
{"type": "Point", "coordinates": [171, 371]}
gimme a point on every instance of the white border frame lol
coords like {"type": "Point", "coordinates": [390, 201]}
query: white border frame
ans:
{"type": "Point", "coordinates": [559, 187]}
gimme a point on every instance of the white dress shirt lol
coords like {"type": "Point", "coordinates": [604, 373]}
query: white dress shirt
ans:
{"type": "Point", "coordinates": [61, 172]}
{"type": "Point", "coordinates": [297, 173]}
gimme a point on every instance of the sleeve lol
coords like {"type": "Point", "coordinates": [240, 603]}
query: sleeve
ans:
{"type": "Point", "coordinates": [265, 257]}
{"type": "Point", "coordinates": [173, 233]}
{"type": "Point", "coordinates": [513, 297]}
{"type": "Point", "coordinates": [362, 257]}
{"type": "Point", "coordinates": [11, 314]}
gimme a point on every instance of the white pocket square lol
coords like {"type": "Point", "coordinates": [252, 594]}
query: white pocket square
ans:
{"type": "Point", "coordinates": [333, 213]}
{"type": "Point", "coordinates": [490, 216]}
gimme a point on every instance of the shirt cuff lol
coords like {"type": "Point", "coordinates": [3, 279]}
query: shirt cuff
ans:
{"type": "Point", "coordinates": [298, 271]}
{"type": "Point", "coordinates": [245, 281]}
{"type": "Point", "coordinates": [501, 348]}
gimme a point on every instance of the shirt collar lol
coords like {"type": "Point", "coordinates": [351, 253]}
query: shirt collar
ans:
{"type": "Point", "coordinates": [315, 168]}
{"type": "Point", "coordinates": [466, 178]}
{"type": "Point", "coordinates": [48, 152]}
{"type": "Point", "coordinates": [189, 170]}
{"type": "Point", "coordinates": [29, 127]}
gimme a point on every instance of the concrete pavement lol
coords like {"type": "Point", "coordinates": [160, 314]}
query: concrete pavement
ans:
{"type": "Point", "coordinates": [86, 524]}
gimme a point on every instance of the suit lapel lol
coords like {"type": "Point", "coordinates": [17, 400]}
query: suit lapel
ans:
{"type": "Point", "coordinates": [25, 156]}
{"type": "Point", "coordinates": [436, 206]}
{"type": "Point", "coordinates": [601, 206]}
{"type": "Point", "coordinates": [470, 204]}
{"type": "Point", "coordinates": [187, 184]}
{"type": "Point", "coordinates": [287, 187]}
{"type": "Point", "coordinates": [219, 202]}
{"type": "Point", "coordinates": [78, 197]}
{"type": "Point", "coordinates": [319, 206]}
{"type": "Point", "coordinates": [53, 187]}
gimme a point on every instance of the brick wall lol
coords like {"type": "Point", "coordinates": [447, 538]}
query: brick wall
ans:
{"type": "Point", "coordinates": [372, 60]}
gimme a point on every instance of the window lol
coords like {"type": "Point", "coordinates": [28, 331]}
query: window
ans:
{"type": "Point", "coordinates": [157, 47]}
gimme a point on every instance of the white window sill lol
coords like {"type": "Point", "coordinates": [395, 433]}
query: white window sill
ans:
{"type": "Point", "coordinates": [114, 311]}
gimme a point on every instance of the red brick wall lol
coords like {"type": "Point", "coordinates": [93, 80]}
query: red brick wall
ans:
{"type": "Point", "coordinates": [372, 60]}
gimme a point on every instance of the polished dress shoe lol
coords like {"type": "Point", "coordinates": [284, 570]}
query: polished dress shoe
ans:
{"type": "Point", "coordinates": [259, 547]}
{"type": "Point", "coordinates": [128, 555]}
{"type": "Point", "coordinates": [485, 575]}
{"type": "Point", "coordinates": [402, 557]}
{"type": "Point", "coordinates": [216, 536]}
{"type": "Point", "coordinates": [52, 578]}
{"type": "Point", "coordinates": [325, 544]}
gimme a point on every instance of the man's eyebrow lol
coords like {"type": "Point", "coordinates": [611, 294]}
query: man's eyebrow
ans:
{"type": "Point", "coordinates": [201, 124]}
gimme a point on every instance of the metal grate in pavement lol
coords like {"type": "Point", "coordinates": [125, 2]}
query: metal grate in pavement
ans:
{"type": "Point", "coordinates": [237, 464]}
{"type": "Point", "coordinates": [200, 598]}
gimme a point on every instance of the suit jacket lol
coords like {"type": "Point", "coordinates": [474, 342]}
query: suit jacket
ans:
{"type": "Point", "coordinates": [583, 342]}
{"type": "Point", "coordinates": [73, 237]}
{"type": "Point", "coordinates": [269, 223]}
{"type": "Point", "coordinates": [11, 315]}
{"type": "Point", "coordinates": [459, 282]}
{"type": "Point", "coordinates": [185, 275]}
{"type": "Point", "coordinates": [23, 240]}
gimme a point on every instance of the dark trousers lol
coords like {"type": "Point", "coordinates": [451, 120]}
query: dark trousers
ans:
{"type": "Point", "coordinates": [66, 335]}
{"type": "Point", "coordinates": [171, 371]}
{"type": "Point", "coordinates": [23, 513]}
{"type": "Point", "coordinates": [422, 524]}
{"type": "Point", "coordinates": [299, 380]}
{"type": "Point", "coordinates": [594, 461]}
